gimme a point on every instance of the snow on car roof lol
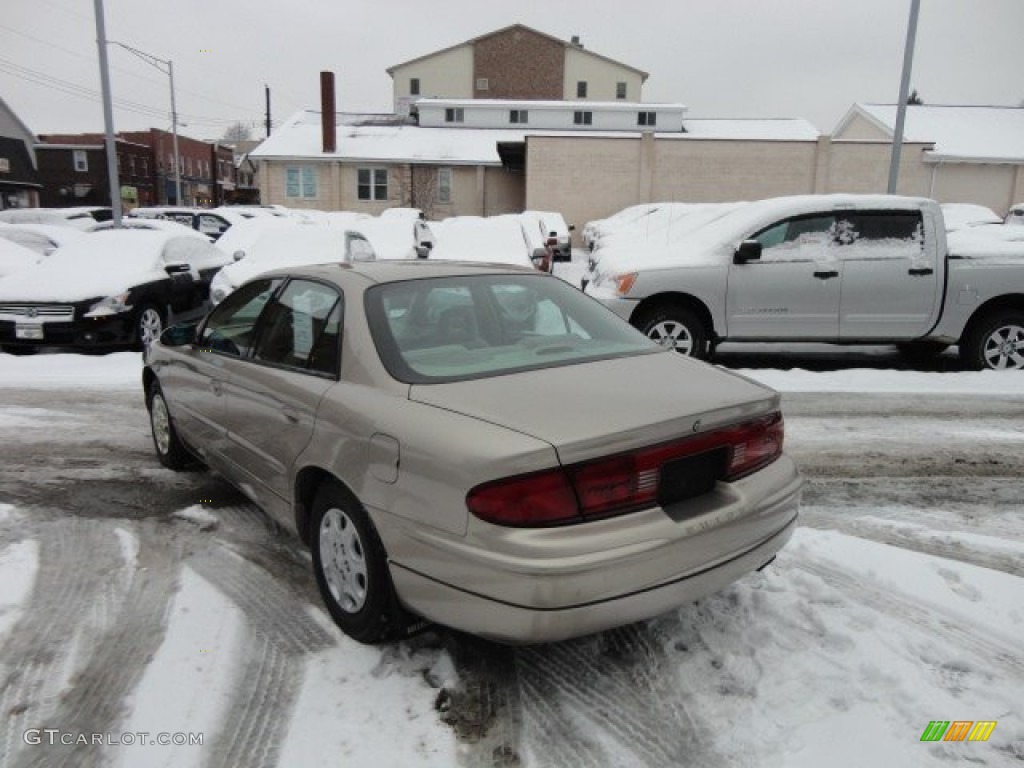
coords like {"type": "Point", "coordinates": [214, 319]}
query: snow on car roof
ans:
{"type": "Point", "coordinates": [496, 239]}
{"type": "Point", "coordinates": [15, 258]}
{"type": "Point", "coordinates": [294, 244]}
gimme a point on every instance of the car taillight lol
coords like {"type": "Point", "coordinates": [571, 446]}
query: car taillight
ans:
{"type": "Point", "coordinates": [630, 481]}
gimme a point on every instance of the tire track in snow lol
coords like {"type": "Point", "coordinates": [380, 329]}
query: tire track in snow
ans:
{"type": "Point", "coordinates": [79, 561]}
{"type": "Point", "coordinates": [119, 654]}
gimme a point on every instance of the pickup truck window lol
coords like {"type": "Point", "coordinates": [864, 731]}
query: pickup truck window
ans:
{"type": "Point", "coordinates": [882, 234]}
{"type": "Point", "coordinates": [788, 238]}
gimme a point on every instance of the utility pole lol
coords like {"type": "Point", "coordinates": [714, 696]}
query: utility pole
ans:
{"type": "Point", "coordinates": [267, 89]}
{"type": "Point", "coordinates": [108, 114]}
{"type": "Point", "coordinates": [901, 110]}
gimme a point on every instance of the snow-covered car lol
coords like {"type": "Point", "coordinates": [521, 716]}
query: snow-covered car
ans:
{"type": "Point", "coordinates": [293, 244]}
{"type": "Point", "coordinates": [79, 218]}
{"type": "Point", "coordinates": [419, 425]}
{"type": "Point", "coordinates": [594, 230]}
{"type": "Point", "coordinates": [163, 225]}
{"type": "Point", "coordinates": [555, 234]}
{"type": "Point", "coordinates": [967, 215]}
{"type": "Point", "coordinates": [15, 257]}
{"type": "Point", "coordinates": [494, 240]}
{"type": "Point", "coordinates": [1016, 215]}
{"type": "Point", "coordinates": [44, 239]}
{"type": "Point", "coordinates": [112, 290]}
{"type": "Point", "coordinates": [211, 222]}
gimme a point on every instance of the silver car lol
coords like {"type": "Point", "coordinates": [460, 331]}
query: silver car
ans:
{"type": "Point", "coordinates": [476, 445]}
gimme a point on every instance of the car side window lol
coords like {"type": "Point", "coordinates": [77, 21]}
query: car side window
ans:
{"type": "Point", "coordinates": [882, 234]}
{"type": "Point", "coordinates": [211, 225]}
{"type": "Point", "coordinates": [302, 328]}
{"type": "Point", "coordinates": [359, 249]}
{"type": "Point", "coordinates": [798, 239]}
{"type": "Point", "coordinates": [230, 328]}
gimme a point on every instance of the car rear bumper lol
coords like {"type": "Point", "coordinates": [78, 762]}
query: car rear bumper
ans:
{"type": "Point", "coordinates": [565, 582]}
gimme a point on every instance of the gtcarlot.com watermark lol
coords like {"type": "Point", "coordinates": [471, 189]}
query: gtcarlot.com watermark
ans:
{"type": "Point", "coordinates": [54, 736]}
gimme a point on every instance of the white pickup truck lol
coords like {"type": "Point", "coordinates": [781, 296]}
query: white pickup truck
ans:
{"type": "Point", "coordinates": [843, 269]}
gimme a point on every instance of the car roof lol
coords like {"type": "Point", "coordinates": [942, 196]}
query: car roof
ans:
{"type": "Point", "coordinates": [397, 270]}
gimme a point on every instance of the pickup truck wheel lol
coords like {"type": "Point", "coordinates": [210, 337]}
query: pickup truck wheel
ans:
{"type": "Point", "coordinates": [996, 342]}
{"type": "Point", "coordinates": [351, 567]}
{"type": "Point", "coordinates": [678, 328]}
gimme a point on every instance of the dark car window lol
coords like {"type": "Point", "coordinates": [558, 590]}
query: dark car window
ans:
{"type": "Point", "coordinates": [301, 328]}
{"type": "Point", "coordinates": [882, 234]}
{"type": "Point", "coordinates": [230, 327]}
{"type": "Point", "coordinates": [470, 327]}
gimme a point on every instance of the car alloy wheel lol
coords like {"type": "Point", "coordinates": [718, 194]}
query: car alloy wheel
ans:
{"type": "Point", "coordinates": [169, 448]}
{"type": "Point", "coordinates": [672, 334]}
{"type": "Point", "coordinates": [1004, 347]}
{"type": "Point", "coordinates": [342, 554]}
{"type": "Point", "coordinates": [150, 325]}
{"type": "Point", "coordinates": [161, 424]}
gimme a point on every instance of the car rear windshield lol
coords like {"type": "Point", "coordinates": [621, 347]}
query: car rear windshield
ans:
{"type": "Point", "coordinates": [468, 327]}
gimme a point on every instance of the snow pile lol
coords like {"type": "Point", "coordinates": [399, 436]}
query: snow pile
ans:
{"type": "Point", "coordinates": [121, 370]}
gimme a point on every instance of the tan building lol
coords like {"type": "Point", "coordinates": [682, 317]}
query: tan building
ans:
{"type": "Point", "coordinates": [517, 63]}
{"type": "Point", "coordinates": [977, 153]}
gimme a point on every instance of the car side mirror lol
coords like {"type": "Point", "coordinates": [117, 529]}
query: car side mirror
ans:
{"type": "Point", "coordinates": [423, 250]}
{"type": "Point", "coordinates": [238, 255]}
{"type": "Point", "coordinates": [572, 227]}
{"type": "Point", "coordinates": [749, 250]}
{"type": "Point", "coordinates": [179, 335]}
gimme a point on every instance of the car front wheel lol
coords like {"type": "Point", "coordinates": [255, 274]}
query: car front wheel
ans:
{"type": "Point", "coordinates": [351, 567]}
{"type": "Point", "coordinates": [997, 342]}
{"type": "Point", "coordinates": [149, 324]}
{"type": "Point", "coordinates": [169, 449]}
{"type": "Point", "coordinates": [678, 328]}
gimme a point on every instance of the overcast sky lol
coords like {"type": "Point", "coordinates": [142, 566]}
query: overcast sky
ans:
{"type": "Point", "coordinates": [728, 58]}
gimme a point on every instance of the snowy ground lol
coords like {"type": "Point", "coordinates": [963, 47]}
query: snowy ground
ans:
{"type": "Point", "coordinates": [136, 600]}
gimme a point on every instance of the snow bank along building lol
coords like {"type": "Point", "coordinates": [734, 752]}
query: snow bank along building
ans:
{"type": "Point", "coordinates": [517, 119]}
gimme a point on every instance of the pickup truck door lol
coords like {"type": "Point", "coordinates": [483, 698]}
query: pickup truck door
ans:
{"type": "Point", "coordinates": [891, 286]}
{"type": "Point", "coordinates": [792, 291]}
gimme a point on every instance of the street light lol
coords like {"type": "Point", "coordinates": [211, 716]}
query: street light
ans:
{"type": "Point", "coordinates": [160, 64]}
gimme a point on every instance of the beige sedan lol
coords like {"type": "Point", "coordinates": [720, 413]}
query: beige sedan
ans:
{"type": "Point", "coordinates": [480, 446]}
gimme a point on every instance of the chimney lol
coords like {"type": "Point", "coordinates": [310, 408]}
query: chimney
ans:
{"type": "Point", "coordinates": [576, 41]}
{"type": "Point", "coordinates": [327, 113]}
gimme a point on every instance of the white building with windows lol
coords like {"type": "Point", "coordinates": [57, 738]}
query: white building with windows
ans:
{"type": "Point", "coordinates": [549, 115]}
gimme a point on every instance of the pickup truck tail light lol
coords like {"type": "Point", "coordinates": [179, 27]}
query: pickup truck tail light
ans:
{"type": "Point", "coordinates": [661, 474]}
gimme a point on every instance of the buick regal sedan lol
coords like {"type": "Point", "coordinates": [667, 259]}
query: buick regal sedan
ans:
{"type": "Point", "coordinates": [481, 446]}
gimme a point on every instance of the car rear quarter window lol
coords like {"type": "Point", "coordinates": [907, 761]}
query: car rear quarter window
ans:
{"type": "Point", "coordinates": [460, 328]}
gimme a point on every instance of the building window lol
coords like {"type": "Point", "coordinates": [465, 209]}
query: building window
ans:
{"type": "Point", "coordinates": [81, 160]}
{"type": "Point", "coordinates": [145, 167]}
{"type": "Point", "coordinates": [414, 86]}
{"type": "Point", "coordinates": [583, 118]}
{"type": "Point", "coordinates": [5, 165]}
{"type": "Point", "coordinates": [483, 84]}
{"type": "Point", "coordinates": [620, 90]}
{"type": "Point", "coordinates": [131, 164]}
{"type": "Point", "coordinates": [454, 115]}
{"type": "Point", "coordinates": [444, 185]}
{"type": "Point", "coordinates": [519, 116]}
{"type": "Point", "coordinates": [581, 89]}
{"type": "Point", "coordinates": [373, 183]}
{"type": "Point", "coordinates": [300, 182]}
{"type": "Point", "coordinates": [647, 118]}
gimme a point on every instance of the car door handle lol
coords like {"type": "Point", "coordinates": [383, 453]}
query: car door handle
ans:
{"type": "Point", "coordinates": [291, 415]}
{"type": "Point", "coordinates": [918, 271]}
{"type": "Point", "coordinates": [826, 274]}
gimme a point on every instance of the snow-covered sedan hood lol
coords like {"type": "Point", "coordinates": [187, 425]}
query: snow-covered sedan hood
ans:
{"type": "Point", "coordinates": [608, 406]}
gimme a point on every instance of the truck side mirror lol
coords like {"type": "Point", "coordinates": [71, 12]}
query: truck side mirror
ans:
{"type": "Point", "coordinates": [749, 250]}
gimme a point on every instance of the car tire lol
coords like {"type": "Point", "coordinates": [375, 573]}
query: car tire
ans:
{"type": "Point", "coordinates": [995, 342]}
{"type": "Point", "coordinates": [351, 567]}
{"type": "Point", "coordinates": [149, 324]}
{"type": "Point", "coordinates": [169, 449]}
{"type": "Point", "coordinates": [677, 327]}
{"type": "Point", "coordinates": [18, 351]}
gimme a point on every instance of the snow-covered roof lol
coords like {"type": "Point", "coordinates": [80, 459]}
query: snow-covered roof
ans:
{"type": "Point", "coordinates": [960, 134]}
{"type": "Point", "coordinates": [754, 129]}
{"type": "Point", "coordinates": [538, 104]}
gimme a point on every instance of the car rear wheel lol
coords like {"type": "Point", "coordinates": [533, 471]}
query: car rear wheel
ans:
{"type": "Point", "coordinates": [351, 567]}
{"type": "Point", "coordinates": [149, 324]}
{"type": "Point", "coordinates": [678, 328]}
{"type": "Point", "coordinates": [996, 342]}
{"type": "Point", "coordinates": [169, 449]}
